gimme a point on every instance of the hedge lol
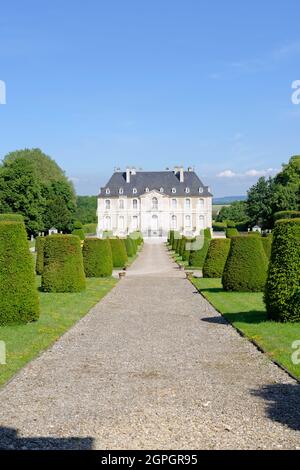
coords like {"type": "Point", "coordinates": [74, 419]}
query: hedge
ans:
{"type": "Point", "coordinates": [171, 237]}
{"type": "Point", "coordinates": [130, 246]}
{"type": "Point", "coordinates": [97, 257]}
{"type": "Point", "coordinates": [197, 257]}
{"type": "Point", "coordinates": [39, 249]}
{"type": "Point", "coordinates": [119, 254]}
{"type": "Point", "coordinates": [231, 232]}
{"type": "Point", "coordinates": [282, 288]}
{"type": "Point", "coordinates": [286, 215]}
{"type": "Point", "coordinates": [63, 264]}
{"type": "Point", "coordinates": [181, 246]}
{"type": "Point", "coordinates": [11, 217]}
{"type": "Point", "coordinates": [19, 301]}
{"type": "Point", "coordinates": [187, 252]}
{"type": "Point", "coordinates": [216, 257]}
{"type": "Point", "coordinates": [246, 266]}
{"type": "Point", "coordinates": [219, 226]}
{"type": "Point", "coordinates": [78, 230]}
{"type": "Point", "coordinates": [90, 229]}
{"type": "Point", "coordinates": [267, 245]}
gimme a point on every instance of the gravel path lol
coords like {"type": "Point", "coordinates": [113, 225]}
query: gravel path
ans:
{"type": "Point", "coordinates": [153, 365]}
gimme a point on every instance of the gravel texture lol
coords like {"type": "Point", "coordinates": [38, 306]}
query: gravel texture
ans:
{"type": "Point", "coordinates": [153, 365]}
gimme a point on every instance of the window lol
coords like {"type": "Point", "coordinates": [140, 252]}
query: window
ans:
{"type": "Point", "coordinates": [187, 203]}
{"type": "Point", "coordinates": [135, 222]}
{"type": "Point", "coordinates": [147, 190]}
{"type": "Point", "coordinates": [121, 191]}
{"type": "Point", "coordinates": [107, 191]}
{"type": "Point", "coordinates": [107, 223]}
{"type": "Point", "coordinates": [187, 190]}
{"type": "Point", "coordinates": [121, 204]}
{"type": "Point", "coordinates": [107, 204]}
{"type": "Point", "coordinates": [201, 222]}
{"type": "Point", "coordinates": [188, 221]}
{"type": "Point", "coordinates": [201, 203]}
{"type": "Point", "coordinates": [121, 223]}
{"type": "Point", "coordinates": [134, 190]}
{"type": "Point", "coordinates": [174, 222]}
{"type": "Point", "coordinates": [161, 190]}
{"type": "Point", "coordinates": [174, 203]}
{"type": "Point", "coordinates": [173, 190]}
{"type": "Point", "coordinates": [154, 203]}
{"type": "Point", "coordinates": [200, 190]}
{"type": "Point", "coordinates": [134, 204]}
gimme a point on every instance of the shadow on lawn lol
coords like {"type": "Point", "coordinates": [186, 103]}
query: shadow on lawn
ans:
{"type": "Point", "coordinates": [283, 403]}
{"type": "Point", "coordinates": [9, 440]}
{"type": "Point", "coordinates": [252, 316]}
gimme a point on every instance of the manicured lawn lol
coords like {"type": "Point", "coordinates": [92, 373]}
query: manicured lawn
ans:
{"type": "Point", "coordinates": [246, 311]}
{"type": "Point", "coordinates": [58, 313]}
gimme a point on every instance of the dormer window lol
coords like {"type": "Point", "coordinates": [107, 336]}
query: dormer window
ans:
{"type": "Point", "coordinates": [161, 190]}
{"type": "Point", "coordinates": [147, 190]}
{"type": "Point", "coordinates": [200, 190]}
{"type": "Point", "coordinates": [173, 190]}
{"type": "Point", "coordinates": [187, 190]}
{"type": "Point", "coordinates": [107, 191]}
{"type": "Point", "coordinates": [134, 190]}
{"type": "Point", "coordinates": [121, 191]}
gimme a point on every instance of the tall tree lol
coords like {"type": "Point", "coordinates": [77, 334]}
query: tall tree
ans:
{"type": "Point", "coordinates": [259, 203]}
{"type": "Point", "coordinates": [235, 212]}
{"type": "Point", "coordinates": [21, 191]}
{"type": "Point", "coordinates": [86, 209]}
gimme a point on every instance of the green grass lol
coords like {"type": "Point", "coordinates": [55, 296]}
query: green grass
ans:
{"type": "Point", "coordinates": [58, 313]}
{"type": "Point", "coordinates": [246, 311]}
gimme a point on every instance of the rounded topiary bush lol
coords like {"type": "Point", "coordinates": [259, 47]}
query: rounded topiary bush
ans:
{"type": "Point", "coordinates": [267, 245]}
{"type": "Point", "coordinates": [246, 266]}
{"type": "Point", "coordinates": [97, 257]}
{"type": "Point", "coordinates": [282, 287]}
{"type": "Point", "coordinates": [78, 230]}
{"type": "Point", "coordinates": [216, 257]}
{"type": "Point", "coordinates": [119, 254]}
{"type": "Point", "coordinates": [39, 249]}
{"type": "Point", "coordinates": [63, 264]}
{"type": "Point", "coordinates": [199, 250]}
{"type": "Point", "coordinates": [231, 232]}
{"type": "Point", "coordinates": [11, 217]}
{"type": "Point", "coordinates": [18, 293]}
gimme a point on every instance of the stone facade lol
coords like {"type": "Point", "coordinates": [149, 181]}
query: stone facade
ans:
{"type": "Point", "coordinates": [154, 203]}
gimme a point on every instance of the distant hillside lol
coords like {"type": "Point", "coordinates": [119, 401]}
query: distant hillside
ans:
{"type": "Point", "coordinates": [228, 199]}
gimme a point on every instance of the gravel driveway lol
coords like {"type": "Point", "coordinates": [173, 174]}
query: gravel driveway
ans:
{"type": "Point", "coordinates": [153, 365]}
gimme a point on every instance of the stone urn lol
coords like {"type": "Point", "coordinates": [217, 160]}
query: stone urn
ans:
{"type": "Point", "coordinates": [122, 274]}
{"type": "Point", "coordinates": [189, 274]}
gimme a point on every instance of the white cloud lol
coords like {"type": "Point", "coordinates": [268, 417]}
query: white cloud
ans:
{"type": "Point", "coordinates": [226, 174]}
{"type": "Point", "coordinates": [249, 173]}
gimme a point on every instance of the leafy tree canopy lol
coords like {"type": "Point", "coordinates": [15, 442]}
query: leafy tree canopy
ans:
{"type": "Point", "coordinates": [235, 212]}
{"type": "Point", "coordinates": [86, 209]}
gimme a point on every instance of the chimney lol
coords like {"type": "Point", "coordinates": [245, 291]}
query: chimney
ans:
{"type": "Point", "coordinates": [127, 175]}
{"type": "Point", "coordinates": [179, 169]}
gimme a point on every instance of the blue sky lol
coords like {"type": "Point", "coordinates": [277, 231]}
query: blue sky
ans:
{"type": "Point", "coordinates": [97, 84]}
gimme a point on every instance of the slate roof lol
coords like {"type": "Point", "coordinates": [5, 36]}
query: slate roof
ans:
{"type": "Point", "coordinates": [154, 180]}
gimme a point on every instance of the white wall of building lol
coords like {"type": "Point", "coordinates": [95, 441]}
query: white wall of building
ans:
{"type": "Point", "coordinates": [154, 214]}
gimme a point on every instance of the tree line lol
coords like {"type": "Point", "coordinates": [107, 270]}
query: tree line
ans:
{"type": "Point", "coordinates": [32, 184]}
{"type": "Point", "coordinates": [267, 197]}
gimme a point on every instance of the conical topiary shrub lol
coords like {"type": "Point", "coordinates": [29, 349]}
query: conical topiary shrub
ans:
{"type": "Point", "coordinates": [199, 249]}
{"type": "Point", "coordinates": [216, 258]}
{"type": "Point", "coordinates": [39, 249]}
{"type": "Point", "coordinates": [63, 264]}
{"type": "Point", "coordinates": [97, 257]}
{"type": "Point", "coordinates": [130, 247]}
{"type": "Point", "coordinates": [19, 301]}
{"type": "Point", "coordinates": [181, 246]}
{"type": "Point", "coordinates": [119, 254]}
{"type": "Point", "coordinates": [246, 266]}
{"type": "Point", "coordinates": [282, 292]}
{"type": "Point", "coordinates": [186, 253]}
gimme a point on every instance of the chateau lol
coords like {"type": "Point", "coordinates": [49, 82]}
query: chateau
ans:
{"type": "Point", "coordinates": [154, 202]}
